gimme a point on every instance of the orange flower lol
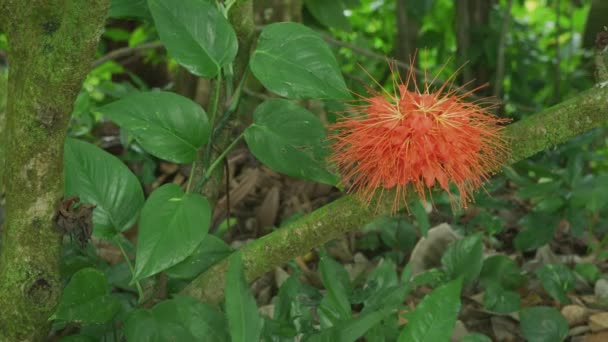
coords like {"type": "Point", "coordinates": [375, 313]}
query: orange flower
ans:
{"type": "Point", "coordinates": [418, 138]}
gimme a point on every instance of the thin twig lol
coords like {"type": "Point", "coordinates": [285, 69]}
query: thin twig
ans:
{"type": "Point", "coordinates": [126, 51]}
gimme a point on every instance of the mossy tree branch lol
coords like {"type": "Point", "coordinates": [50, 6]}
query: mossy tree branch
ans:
{"type": "Point", "coordinates": [52, 43]}
{"type": "Point", "coordinates": [527, 137]}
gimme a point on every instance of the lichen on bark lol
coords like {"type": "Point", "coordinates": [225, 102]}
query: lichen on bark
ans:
{"type": "Point", "coordinates": [51, 44]}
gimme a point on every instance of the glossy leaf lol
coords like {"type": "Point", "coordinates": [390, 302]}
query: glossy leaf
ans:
{"type": "Point", "coordinates": [422, 217]}
{"type": "Point", "coordinates": [196, 34]}
{"type": "Point", "coordinates": [329, 13]}
{"type": "Point", "coordinates": [99, 178]}
{"type": "Point", "coordinates": [172, 225]}
{"type": "Point", "coordinates": [291, 60]}
{"type": "Point", "coordinates": [87, 299]}
{"type": "Point", "coordinates": [435, 316]}
{"type": "Point", "coordinates": [290, 140]}
{"type": "Point", "coordinates": [543, 324]}
{"type": "Point", "coordinates": [241, 309]}
{"type": "Point", "coordinates": [557, 280]}
{"type": "Point", "coordinates": [464, 258]}
{"type": "Point", "coordinates": [539, 230]}
{"type": "Point", "coordinates": [590, 272]}
{"type": "Point", "coordinates": [335, 305]}
{"type": "Point", "coordinates": [210, 251]}
{"type": "Point", "coordinates": [167, 125]}
{"type": "Point", "coordinates": [497, 299]}
{"type": "Point", "coordinates": [499, 269]}
{"type": "Point", "coordinates": [179, 319]}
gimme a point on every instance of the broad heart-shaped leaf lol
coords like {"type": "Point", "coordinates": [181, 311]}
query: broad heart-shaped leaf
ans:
{"type": "Point", "coordinates": [171, 226]}
{"type": "Point", "coordinates": [167, 125]}
{"type": "Point", "coordinates": [293, 61]}
{"type": "Point", "coordinates": [558, 280]}
{"type": "Point", "coordinates": [499, 269]}
{"type": "Point", "coordinates": [99, 178]}
{"type": "Point", "coordinates": [543, 324]}
{"type": "Point", "coordinates": [87, 299]}
{"type": "Point", "coordinates": [290, 140]}
{"type": "Point", "coordinates": [241, 309]}
{"type": "Point", "coordinates": [210, 251]}
{"type": "Point", "coordinates": [196, 34]}
{"type": "Point", "coordinates": [497, 299]}
{"type": "Point", "coordinates": [435, 316]}
{"type": "Point", "coordinates": [464, 258]}
{"type": "Point", "coordinates": [179, 319]}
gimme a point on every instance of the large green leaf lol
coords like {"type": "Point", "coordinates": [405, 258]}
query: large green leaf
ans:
{"type": "Point", "coordinates": [290, 140]}
{"type": "Point", "coordinates": [293, 61]}
{"type": "Point", "coordinates": [557, 280]}
{"type": "Point", "coordinates": [335, 306]}
{"type": "Point", "coordinates": [179, 319]}
{"type": "Point", "coordinates": [500, 300]}
{"type": "Point", "coordinates": [435, 316]}
{"type": "Point", "coordinates": [210, 251]}
{"type": "Point", "coordinates": [172, 225]}
{"type": "Point", "coordinates": [87, 299]}
{"type": "Point", "coordinates": [329, 13]}
{"type": "Point", "coordinates": [543, 324]}
{"type": "Point", "coordinates": [464, 258]}
{"type": "Point", "coordinates": [99, 178]}
{"type": "Point", "coordinates": [241, 309]}
{"type": "Point", "coordinates": [167, 125]}
{"type": "Point", "coordinates": [499, 269]}
{"type": "Point", "coordinates": [196, 34]}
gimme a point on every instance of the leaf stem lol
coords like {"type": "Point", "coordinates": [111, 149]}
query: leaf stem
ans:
{"type": "Point", "coordinates": [191, 176]}
{"type": "Point", "coordinates": [219, 159]}
{"type": "Point", "coordinates": [140, 290]}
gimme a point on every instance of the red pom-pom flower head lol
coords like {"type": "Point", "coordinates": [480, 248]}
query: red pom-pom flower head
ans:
{"type": "Point", "coordinates": [417, 139]}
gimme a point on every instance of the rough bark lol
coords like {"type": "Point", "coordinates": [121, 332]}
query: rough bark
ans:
{"type": "Point", "coordinates": [543, 130]}
{"type": "Point", "coordinates": [52, 43]}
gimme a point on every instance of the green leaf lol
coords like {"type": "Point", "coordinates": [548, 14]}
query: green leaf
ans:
{"type": "Point", "coordinates": [543, 324]}
{"type": "Point", "coordinates": [290, 140]}
{"type": "Point", "coordinates": [539, 230]}
{"type": "Point", "coordinates": [241, 309]}
{"type": "Point", "coordinates": [293, 61]}
{"type": "Point", "coordinates": [196, 34]}
{"type": "Point", "coordinates": [172, 225]}
{"type": "Point", "coordinates": [475, 337]}
{"type": "Point", "coordinates": [434, 318]}
{"type": "Point", "coordinates": [179, 319]}
{"type": "Point", "coordinates": [422, 217]}
{"type": "Point", "coordinates": [208, 252]}
{"type": "Point", "coordinates": [464, 258]}
{"type": "Point", "coordinates": [167, 125]}
{"type": "Point", "coordinates": [499, 269]}
{"type": "Point", "coordinates": [86, 299]}
{"type": "Point", "coordinates": [591, 194]}
{"type": "Point", "coordinates": [129, 9]}
{"type": "Point", "coordinates": [351, 329]}
{"type": "Point", "coordinates": [499, 300]}
{"type": "Point", "coordinates": [590, 272]}
{"type": "Point", "coordinates": [329, 13]}
{"type": "Point", "coordinates": [558, 280]}
{"type": "Point", "coordinates": [335, 305]}
{"type": "Point", "coordinates": [99, 178]}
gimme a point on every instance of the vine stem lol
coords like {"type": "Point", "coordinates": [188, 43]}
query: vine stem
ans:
{"type": "Point", "coordinates": [140, 290]}
{"type": "Point", "coordinates": [191, 176]}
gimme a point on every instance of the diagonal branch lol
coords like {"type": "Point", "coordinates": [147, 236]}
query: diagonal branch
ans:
{"type": "Point", "coordinates": [529, 136]}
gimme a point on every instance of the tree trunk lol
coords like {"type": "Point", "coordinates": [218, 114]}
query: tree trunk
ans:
{"type": "Point", "coordinates": [52, 43]}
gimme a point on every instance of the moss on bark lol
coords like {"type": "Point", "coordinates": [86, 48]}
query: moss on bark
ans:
{"type": "Point", "coordinates": [527, 137]}
{"type": "Point", "coordinates": [52, 43]}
